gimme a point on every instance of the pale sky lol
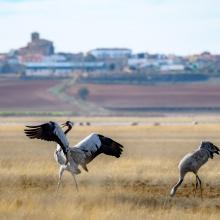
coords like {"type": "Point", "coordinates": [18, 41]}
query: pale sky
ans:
{"type": "Point", "coordinates": [155, 26]}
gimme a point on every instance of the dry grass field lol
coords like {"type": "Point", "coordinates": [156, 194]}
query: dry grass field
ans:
{"type": "Point", "coordinates": [136, 186]}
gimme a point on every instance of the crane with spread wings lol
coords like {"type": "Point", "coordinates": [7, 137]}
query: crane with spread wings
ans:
{"type": "Point", "coordinates": [69, 158]}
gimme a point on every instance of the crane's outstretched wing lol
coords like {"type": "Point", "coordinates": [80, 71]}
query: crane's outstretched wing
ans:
{"type": "Point", "coordinates": [95, 144]}
{"type": "Point", "coordinates": [50, 131]}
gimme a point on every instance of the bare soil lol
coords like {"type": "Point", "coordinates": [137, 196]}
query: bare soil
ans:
{"type": "Point", "coordinates": [191, 95]}
{"type": "Point", "coordinates": [34, 95]}
{"type": "Point", "coordinates": [29, 95]}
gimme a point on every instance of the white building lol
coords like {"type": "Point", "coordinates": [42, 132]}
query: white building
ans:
{"type": "Point", "coordinates": [138, 62]}
{"type": "Point", "coordinates": [111, 53]}
{"type": "Point", "coordinates": [172, 67]}
{"type": "Point", "coordinates": [60, 69]}
{"type": "Point", "coordinates": [54, 58]}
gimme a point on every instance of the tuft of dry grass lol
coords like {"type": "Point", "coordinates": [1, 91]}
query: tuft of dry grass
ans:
{"type": "Point", "coordinates": [136, 186]}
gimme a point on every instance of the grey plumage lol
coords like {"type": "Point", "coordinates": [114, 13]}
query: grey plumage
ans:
{"type": "Point", "coordinates": [193, 161]}
{"type": "Point", "coordinates": [70, 158]}
{"type": "Point", "coordinates": [85, 151]}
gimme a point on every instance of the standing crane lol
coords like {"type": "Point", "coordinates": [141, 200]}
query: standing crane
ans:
{"type": "Point", "coordinates": [192, 162]}
{"type": "Point", "coordinates": [69, 158]}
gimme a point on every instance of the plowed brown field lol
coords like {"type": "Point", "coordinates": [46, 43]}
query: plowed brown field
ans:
{"type": "Point", "coordinates": [34, 95]}
{"type": "Point", "coordinates": [192, 95]}
{"type": "Point", "coordinates": [29, 95]}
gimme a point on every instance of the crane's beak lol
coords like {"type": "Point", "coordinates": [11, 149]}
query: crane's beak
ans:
{"type": "Point", "coordinates": [63, 125]}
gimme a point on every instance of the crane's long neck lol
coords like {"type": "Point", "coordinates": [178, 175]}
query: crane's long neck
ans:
{"type": "Point", "coordinates": [68, 129]}
{"type": "Point", "coordinates": [65, 132]}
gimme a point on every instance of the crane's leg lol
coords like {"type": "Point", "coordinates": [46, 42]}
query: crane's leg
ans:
{"type": "Point", "coordinates": [77, 189]}
{"type": "Point", "coordinates": [200, 184]}
{"type": "Point", "coordinates": [196, 186]}
{"type": "Point", "coordinates": [175, 187]}
{"type": "Point", "coordinates": [73, 168]}
{"type": "Point", "coordinates": [60, 177]}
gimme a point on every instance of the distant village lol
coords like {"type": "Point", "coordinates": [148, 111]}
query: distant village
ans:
{"type": "Point", "coordinates": [39, 59]}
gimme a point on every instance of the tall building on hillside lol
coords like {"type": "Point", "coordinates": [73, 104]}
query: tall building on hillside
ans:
{"type": "Point", "coordinates": [37, 46]}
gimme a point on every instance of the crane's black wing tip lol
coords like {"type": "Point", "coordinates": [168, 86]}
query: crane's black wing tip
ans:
{"type": "Point", "coordinates": [32, 131]}
{"type": "Point", "coordinates": [118, 149]}
{"type": "Point", "coordinates": [119, 145]}
{"type": "Point", "coordinates": [33, 126]}
{"type": "Point", "coordinates": [44, 132]}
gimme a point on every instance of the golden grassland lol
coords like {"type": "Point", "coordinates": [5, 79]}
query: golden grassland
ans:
{"type": "Point", "coordinates": [136, 186]}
